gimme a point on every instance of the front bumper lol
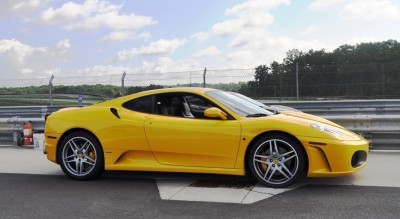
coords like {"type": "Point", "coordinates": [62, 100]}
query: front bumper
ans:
{"type": "Point", "coordinates": [328, 157]}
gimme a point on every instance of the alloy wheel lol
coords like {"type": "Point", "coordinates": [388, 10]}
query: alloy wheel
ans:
{"type": "Point", "coordinates": [276, 162]}
{"type": "Point", "coordinates": [79, 156]}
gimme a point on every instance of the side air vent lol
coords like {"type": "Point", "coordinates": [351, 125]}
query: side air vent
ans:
{"type": "Point", "coordinates": [115, 112]}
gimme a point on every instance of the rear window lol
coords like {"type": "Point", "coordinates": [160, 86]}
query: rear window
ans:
{"type": "Point", "coordinates": [142, 104]}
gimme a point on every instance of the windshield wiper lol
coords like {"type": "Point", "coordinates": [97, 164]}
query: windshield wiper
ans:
{"type": "Point", "coordinates": [257, 115]}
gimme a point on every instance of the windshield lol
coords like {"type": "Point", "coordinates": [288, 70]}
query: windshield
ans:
{"type": "Point", "coordinates": [274, 108]}
{"type": "Point", "coordinates": [238, 105]}
{"type": "Point", "coordinates": [248, 99]}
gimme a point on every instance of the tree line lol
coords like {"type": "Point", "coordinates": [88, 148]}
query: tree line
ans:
{"type": "Point", "coordinates": [365, 70]}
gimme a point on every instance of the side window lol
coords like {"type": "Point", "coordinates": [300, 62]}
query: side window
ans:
{"type": "Point", "coordinates": [197, 105]}
{"type": "Point", "coordinates": [197, 102]}
{"type": "Point", "coordinates": [182, 105]}
{"type": "Point", "coordinates": [169, 105]}
{"type": "Point", "coordinates": [142, 104]}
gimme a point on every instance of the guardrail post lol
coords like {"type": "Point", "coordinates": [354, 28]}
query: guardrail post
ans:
{"type": "Point", "coordinates": [123, 84]}
{"type": "Point", "coordinates": [204, 77]}
{"type": "Point", "coordinates": [51, 89]}
{"type": "Point", "coordinates": [16, 130]}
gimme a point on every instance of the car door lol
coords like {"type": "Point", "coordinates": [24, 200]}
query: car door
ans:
{"type": "Point", "coordinates": [191, 141]}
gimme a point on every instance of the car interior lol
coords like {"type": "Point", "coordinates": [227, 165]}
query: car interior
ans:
{"type": "Point", "coordinates": [171, 104]}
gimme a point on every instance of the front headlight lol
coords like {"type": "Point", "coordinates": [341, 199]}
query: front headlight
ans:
{"type": "Point", "coordinates": [328, 130]}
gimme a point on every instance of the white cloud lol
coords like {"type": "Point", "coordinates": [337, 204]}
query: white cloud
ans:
{"type": "Point", "coordinates": [371, 10]}
{"type": "Point", "coordinates": [251, 14]}
{"type": "Point", "coordinates": [249, 38]}
{"type": "Point", "coordinates": [201, 36]}
{"type": "Point", "coordinates": [308, 30]}
{"type": "Point", "coordinates": [94, 14]}
{"type": "Point", "coordinates": [26, 71]}
{"type": "Point", "coordinates": [71, 11]}
{"type": "Point", "coordinates": [358, 40]}
{"type": "Point", "coordinates": [264, 48]}
{"type": "Point", "coordinates": [119, 36]}
{"type": "Point", "coordinates": [255, 5]}
{"type": "Point", "coordinates": [166, 64]}
{"type": "Point", "coordinates": [20, 7]}
{"type": "Point", "coordinates": [64, 44]}
{"type": "Point", "coordinates": [159, 47]}
{"type": "Point", "coordinates": [19, 60]}
{"type": "Point", "coordinates": [209, 51]}
{"type": "Point", "coordinates": [106, 70]}
{"type": "Point", "coordinates": [243, 22]}
{"type": "Point", "coordinates": [161, 65]}
{"type": "Point", "coordinates": [250, 41]}
{"type": "Point", "coordinates": [16, 49]}
{"type": "Point", "coordinates": [28, 5]}
{"type": "Point", "coordinates": [243, 56]}
{"type": "Point", "coordinates": [228, 27]}
{"type": "Point", "coordinates": [114, 21]}
{"type": "Point", "coordinates": [320, 5]}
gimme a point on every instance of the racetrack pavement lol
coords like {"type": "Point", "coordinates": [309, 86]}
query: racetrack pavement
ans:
{"type": "Point", "coordinates": [32, 187]}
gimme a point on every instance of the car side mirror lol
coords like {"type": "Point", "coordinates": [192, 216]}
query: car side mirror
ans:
{"type": "Point", "coordinates": [214, 112]}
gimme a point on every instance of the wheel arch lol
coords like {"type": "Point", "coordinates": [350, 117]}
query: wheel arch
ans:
{"type": "Point", "coordinates": [63, 136]}
{"type": "Point", "coordinates": [269, 133]}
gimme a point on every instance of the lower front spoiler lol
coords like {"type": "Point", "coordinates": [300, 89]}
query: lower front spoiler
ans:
{"type": "Point", "coordinates": [331, 158]}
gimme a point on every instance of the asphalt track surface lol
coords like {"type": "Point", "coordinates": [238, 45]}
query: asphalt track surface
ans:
{"type": "Point", "coordinates": [136, 195]}
{"type": "Point", "coordinates": [44, 196]}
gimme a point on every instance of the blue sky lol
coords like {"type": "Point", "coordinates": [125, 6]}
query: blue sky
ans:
{"type": "Point", "coordinates": [39, 38]}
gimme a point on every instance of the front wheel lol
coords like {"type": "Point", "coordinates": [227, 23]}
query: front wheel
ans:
{"type": "Point", "coordinates": [80, 156]}
{"type": "Point", "coordinates": [276, 160]}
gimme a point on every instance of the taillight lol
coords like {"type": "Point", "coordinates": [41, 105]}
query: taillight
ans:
{"type": "Point", "coordinates": [45, 116]}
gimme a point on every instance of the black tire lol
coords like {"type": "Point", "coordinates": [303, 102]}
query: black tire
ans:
{"type": "Point", "coordinates": [80, 156]}
{"type": "Point", "coordinates": [281, 168]}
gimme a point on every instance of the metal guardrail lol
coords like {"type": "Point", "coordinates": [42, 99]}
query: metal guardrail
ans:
{"type": "Point", "coordinates": [383, 131]}
{"type": "Point", "coordinates": [376, 120]}
{"type": "Point", "coordinates": [13, 118]}
{"type": "Point", "coordinates": [27, 111]}
{"type": "Point", "coordinates": [343, 107]}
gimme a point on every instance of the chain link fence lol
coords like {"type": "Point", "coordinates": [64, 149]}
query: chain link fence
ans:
{"type": "Point", "coordinates": [301, 82]}
{"type": "Point", "coordinates": [366, 81]}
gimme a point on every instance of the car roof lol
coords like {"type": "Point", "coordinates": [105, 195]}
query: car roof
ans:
{"type": "Point", "coordinates": [176, 89]}
{"type": "Point", "coordinates": [197, 90]}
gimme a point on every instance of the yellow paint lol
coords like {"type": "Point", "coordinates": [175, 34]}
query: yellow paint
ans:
{"type": "Point", "coordinates": [139, 141]}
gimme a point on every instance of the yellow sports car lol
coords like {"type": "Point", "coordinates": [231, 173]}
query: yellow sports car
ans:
{"type": "Point", "coordinates": [200, 130]}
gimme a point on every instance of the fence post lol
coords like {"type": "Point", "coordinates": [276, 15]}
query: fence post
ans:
{"type": "Point", "coordinates": [51, 89]}
{"type": "Point", "coordinates": [204, 77]}
{"type": "Point", "coordinates": [297, 81]}
{"type": "Point", "coordinates": [190, 79]}
{"type": "Point", "coordinates": [123, 84]}
{"type": "Point", "coordinates": [384, 80]}
{"type": "Point", "coordinates": [280, 87]}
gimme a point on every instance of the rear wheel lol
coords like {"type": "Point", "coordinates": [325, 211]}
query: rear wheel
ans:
{"type": "Point", "coordinates": [276, 160]}
{"type": "Point", "coordinates": [80, 156]}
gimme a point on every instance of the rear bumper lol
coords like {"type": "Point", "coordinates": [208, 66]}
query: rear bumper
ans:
{"type": "Point", "coordinates": [51, 146]}
{"type": "Point", "coordinates": [333, 157]}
